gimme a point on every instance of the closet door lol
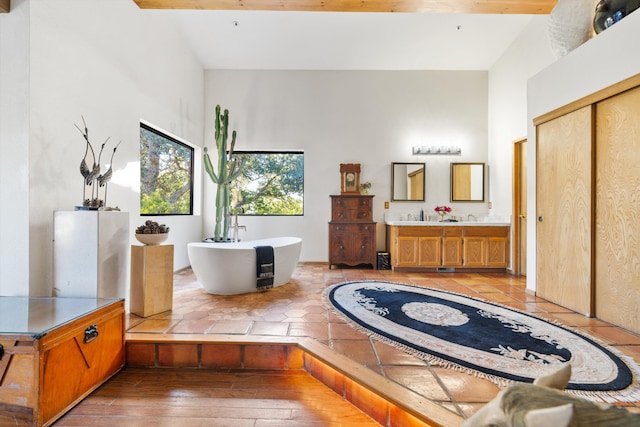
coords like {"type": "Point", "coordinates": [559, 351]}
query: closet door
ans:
{"type": "Point", "coordinates": [564, 210]}
{"type": "Point", "coordinates": [617, 246]}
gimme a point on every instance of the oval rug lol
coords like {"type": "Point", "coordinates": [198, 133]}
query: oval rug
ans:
{"type": "Point", "coordinates": [499, 342]}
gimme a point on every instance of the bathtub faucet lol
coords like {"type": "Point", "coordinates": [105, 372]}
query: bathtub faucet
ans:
{"type": "Point", "coordinates": [235, 226]}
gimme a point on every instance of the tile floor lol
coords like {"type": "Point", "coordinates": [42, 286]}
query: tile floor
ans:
{"type": "Point", "coordinates": [297, 310]}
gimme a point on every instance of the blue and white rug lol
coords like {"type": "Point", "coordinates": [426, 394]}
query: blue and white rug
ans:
{"type": "Point", "coordinates": [488, 339]}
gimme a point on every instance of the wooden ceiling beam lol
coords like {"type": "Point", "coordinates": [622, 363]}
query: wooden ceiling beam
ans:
{"type": "Point", "coordinates": [5, 6]}
{"type": "Point", "coordinates": [525, 7]}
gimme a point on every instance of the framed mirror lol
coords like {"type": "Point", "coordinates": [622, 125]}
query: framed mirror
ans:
{"type": "Point", "coordinates": [407, 182]}
{"type": "Point", "coordinates": [467, 182]}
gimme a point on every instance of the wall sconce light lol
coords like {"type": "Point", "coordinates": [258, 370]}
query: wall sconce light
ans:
{"type": "Point", "coordinates": [424, 150]}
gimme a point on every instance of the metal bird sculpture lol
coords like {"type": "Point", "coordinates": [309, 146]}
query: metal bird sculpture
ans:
{"type": "Point", "coordinates": [106, 177]}
{"type": "Point", "coordinates": [91, 174]}
{"type": "Point", "coordinates": [95, 172]}
{"type": "Point", "coordinates": [84, 164]}
{"type": "Point", "coordinates": [84, 169]}
{"type": "Point", "coordinates": [88, 159]}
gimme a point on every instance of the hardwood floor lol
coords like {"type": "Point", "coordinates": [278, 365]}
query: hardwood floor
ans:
{"type": "Point", "coordinates": [188, 397]}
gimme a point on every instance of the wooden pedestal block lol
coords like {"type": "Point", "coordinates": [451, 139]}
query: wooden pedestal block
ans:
{"type": "Point", "coordinates": [151, 279]}
{"type": "Point", "coordinates": [54, 352]}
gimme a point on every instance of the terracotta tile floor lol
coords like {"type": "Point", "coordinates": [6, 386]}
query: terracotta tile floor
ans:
{"type": "Point", "coordinates": [297, 310]}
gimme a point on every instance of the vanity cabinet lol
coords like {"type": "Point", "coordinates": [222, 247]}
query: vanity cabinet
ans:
{"type": "Point", "coordinates": [433, 246]}
{"type": "Point", "coordinates": [475, 251]}
{"type": "Point", "coordinates": [352, 232]}
{"type": "Point", "coordinates": [417, 249]}
{"type": "Point", "coordinates": [452, 245]}
{"type": "Point", "coordinates": [486, 247]}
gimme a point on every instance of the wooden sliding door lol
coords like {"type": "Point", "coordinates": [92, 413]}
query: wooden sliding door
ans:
{"type": "Point", "coordinates": [564, 162]}
{"type": "Point", "coordinates": [617, 236]}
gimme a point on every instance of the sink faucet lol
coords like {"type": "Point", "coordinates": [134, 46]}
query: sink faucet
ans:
{"type": "Point", "coordinates": [475, 218]}
{"type": "Point", "coordinates": [235, 226]}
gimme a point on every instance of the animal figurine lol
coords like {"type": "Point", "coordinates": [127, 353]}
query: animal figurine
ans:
{"type": "Point", "coordinates": [544, 404]}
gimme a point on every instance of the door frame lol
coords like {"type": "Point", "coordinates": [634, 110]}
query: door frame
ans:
{"type": "Point", "coordinates": [516, 256]}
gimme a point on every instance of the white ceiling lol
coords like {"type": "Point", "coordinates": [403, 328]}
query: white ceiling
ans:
{"type": "Point", "coordinates": [347, 41]}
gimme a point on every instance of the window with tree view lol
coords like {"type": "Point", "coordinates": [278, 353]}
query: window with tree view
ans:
{"type": "Point", "coordinates": [166, 174]}
{"type": "Point", "coordinates": [272, 183]}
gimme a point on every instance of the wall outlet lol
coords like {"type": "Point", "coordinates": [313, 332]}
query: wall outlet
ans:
{"type": "Point", "coordinates": [386, 205]}
{"type": "Point", "coordinates": [490, 205]}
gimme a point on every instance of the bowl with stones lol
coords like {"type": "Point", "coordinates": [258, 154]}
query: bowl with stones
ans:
{"type": "Point", "coordinates": [151, 233]}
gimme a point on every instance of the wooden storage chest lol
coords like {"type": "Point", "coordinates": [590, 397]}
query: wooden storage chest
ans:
{"type": "Point", "coordinates": [54, 352]}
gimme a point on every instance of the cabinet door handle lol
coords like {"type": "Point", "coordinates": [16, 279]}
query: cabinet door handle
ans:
{"type": "Point", "coordinates": [540, 218]}
{"type": "Point", "coordinates": [90, 334]}
{"type": "Point", "coordinates": [366, 227]}
{"type": "Point", "coordinates": [341, 247]}
{"type": "Point", "coordinates": [362, 247]}
{"type": "Point", "coordinates": [337, 228]}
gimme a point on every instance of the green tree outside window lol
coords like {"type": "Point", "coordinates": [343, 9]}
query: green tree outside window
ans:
{"type": "Point", "coordinates": [272, 183]}
{"type": "Point", "coordinates": [166, 174]}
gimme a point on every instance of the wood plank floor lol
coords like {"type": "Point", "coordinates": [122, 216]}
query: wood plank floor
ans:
{"type": "Point", "coordinates": [187, 397]}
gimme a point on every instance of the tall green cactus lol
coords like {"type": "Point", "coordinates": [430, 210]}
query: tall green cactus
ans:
{"type": "Point", "coordinates": [228, 171]}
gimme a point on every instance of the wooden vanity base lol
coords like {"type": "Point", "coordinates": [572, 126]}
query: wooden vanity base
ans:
{"type": "Point", "coordinates": [448, 248]}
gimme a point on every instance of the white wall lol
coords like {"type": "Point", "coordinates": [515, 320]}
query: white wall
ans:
{"type": "Point", "coordinates": [372, 118]}
{"type": "Point", "coordinates": [604, 60]}
{"type": "Point", "coordinates": [14, 149]}
{"type": "Point", "coordinates": [114, 64]}
{"type": "Point", "coordinates": [526, 56]}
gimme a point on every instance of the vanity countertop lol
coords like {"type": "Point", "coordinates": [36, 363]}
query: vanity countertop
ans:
{"type": "Point", "coordinates": [449, 224]}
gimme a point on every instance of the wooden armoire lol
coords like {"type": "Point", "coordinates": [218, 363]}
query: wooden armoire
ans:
{"type": "Point", "coordinates": [352, 232]}
{"type": "Point", "coordinates": [588, 199]}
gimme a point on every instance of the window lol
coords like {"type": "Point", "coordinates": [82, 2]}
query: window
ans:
{"type": "Point", "coordinates": [166, 174]}
{"type": "Point", "coordinates": [272, 183]}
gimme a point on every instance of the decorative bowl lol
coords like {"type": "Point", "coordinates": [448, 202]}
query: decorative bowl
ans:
{"type": "Point", "coordinates": [152, 239]}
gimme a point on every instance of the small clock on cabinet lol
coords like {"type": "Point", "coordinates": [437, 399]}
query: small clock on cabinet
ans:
{"type": "Point", "coordinates": [350, 178]}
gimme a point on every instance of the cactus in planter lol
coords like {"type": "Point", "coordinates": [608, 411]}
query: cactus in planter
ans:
{"type": "Point", "coordinates": [228, 170]}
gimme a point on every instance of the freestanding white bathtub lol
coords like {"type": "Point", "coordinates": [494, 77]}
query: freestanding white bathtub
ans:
{"type": "Point", "coordinates": [230, 268]}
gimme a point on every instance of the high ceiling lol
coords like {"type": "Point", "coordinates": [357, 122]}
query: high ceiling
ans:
{"type": "Point", "coordinates": [291, 34]}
